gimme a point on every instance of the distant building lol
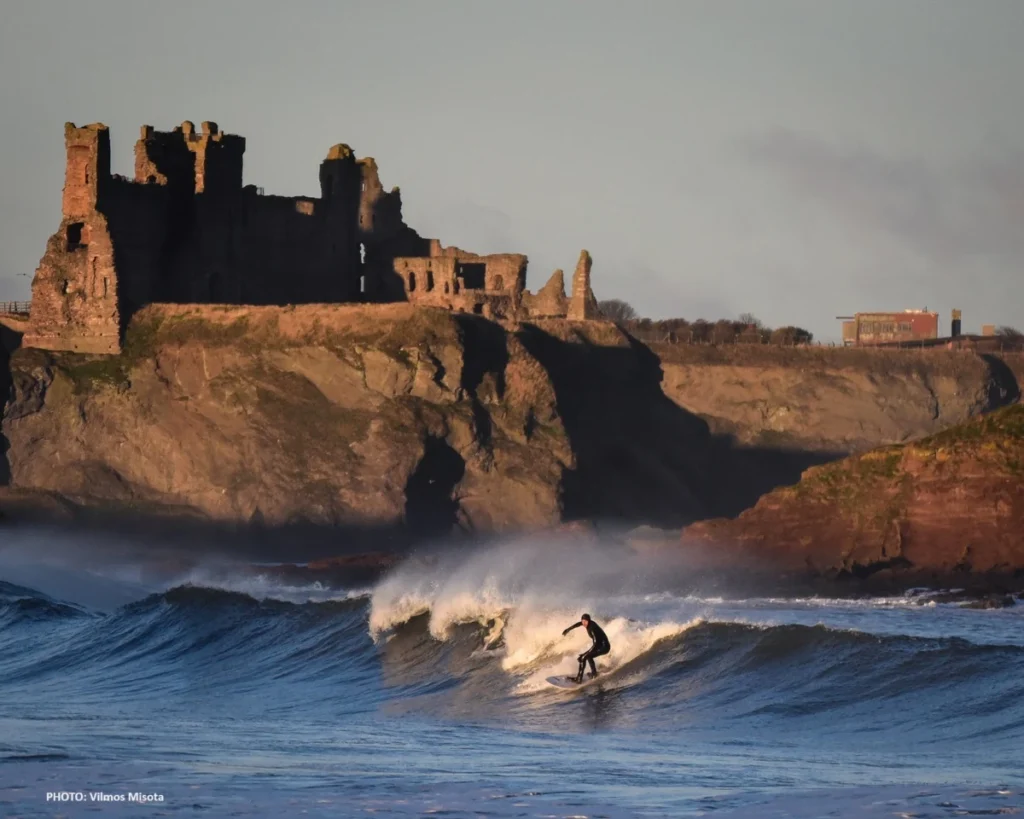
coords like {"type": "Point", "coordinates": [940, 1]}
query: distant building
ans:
{"type": "Point", "coordinates": [864, 329]}
{"type": "Point", "coordinates": [988, 329]}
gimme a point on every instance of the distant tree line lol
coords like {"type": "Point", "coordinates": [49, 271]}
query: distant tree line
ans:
{"type": "Point", "coordinates": [748, 329]}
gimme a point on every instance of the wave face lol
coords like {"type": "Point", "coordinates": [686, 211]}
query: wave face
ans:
{"type": "Point", "coordinates": [441, 666]}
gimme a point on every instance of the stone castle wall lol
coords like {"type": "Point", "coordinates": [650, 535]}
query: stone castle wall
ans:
{"type": "Point", "coordinates": [186, 231]}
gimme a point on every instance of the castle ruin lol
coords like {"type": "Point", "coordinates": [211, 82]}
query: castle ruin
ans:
{"type": "Point", "coordinates": [186, 230]}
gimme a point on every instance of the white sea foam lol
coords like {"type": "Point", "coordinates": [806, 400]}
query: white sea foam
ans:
{"type": "Point", "coordinates": [549, 573]}
{"type": "Point", "coordinates": [629, 640]}
{"type": "Point", "coordinates": [526, 592]}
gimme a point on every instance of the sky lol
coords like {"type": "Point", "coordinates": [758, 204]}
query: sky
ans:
{"type": "Point", "coordinates": [794, 159]}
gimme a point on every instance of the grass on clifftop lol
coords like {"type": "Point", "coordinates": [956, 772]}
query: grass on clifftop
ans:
{"type": "Point", "coordinates": [997, 438]}
{"type": "Point", "coordinates": [845, 480]}
{"type": "Point", "coordinates": [148, 331]}
{"type": "Point", "coordinates": [87, 373]}
{"type": "Point", "coordinates": [252, 331]}
{"type": "Point", "coordinates": [881, 361]}
{"type": "Point", "coordinates": [255, 329]}
{"type": "Point", "coordinates": [1006, 424]}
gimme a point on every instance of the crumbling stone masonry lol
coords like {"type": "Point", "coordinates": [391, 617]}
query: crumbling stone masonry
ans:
{"type": "Point", "coordinates": [186, 230]}
{"type": "Point", "coordinates": [583, 304]}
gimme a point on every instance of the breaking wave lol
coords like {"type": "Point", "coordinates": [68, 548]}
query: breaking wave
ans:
{"type": "Point", "coordinates": [121, 665]}
{"type": "Point", "coordinates": [475, 633]}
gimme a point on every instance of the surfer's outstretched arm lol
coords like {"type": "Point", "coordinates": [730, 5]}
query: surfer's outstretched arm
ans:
{"type": "Point", "coordinates": [574, 625]}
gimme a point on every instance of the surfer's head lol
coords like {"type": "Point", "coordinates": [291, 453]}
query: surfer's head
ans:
{"type": "Point", "coordinates": [585, 618]}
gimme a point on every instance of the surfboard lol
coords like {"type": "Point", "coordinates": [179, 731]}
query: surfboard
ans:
{"type": "Point", "coordinates": [569, 682]}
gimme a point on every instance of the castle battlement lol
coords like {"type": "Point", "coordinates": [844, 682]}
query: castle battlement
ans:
{"type": "Point", "coordinates": [208, 161]}
{"type": "Point", "coordinates": [186, 230]}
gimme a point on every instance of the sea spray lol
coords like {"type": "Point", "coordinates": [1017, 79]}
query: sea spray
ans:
{"type": "Point", "coordinates": [630, 641]}
{"type": "Point", "coordinates": [705, 703]}
{"type": "Point", "coordinates": [525, 592]}
{"type": "Point", "coordinates": [561, 573]}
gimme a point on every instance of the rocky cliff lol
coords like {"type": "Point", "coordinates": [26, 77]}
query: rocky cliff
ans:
{"type": "Point", "coordinates": [12, 328]}
{"type": "Point", "coordinates": [325, 414]}
{"type": "Point", "coordinates": [419, 417]}
{"type": "Point", "coordinates": [835, 400]}
{"type": "Point", "coordinates": [951, 503]}
{"type": "Point", "coordinates": [357, 415]}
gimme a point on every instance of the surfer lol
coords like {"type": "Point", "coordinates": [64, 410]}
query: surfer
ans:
{"type": "Point", "coordinates": [600, 646]}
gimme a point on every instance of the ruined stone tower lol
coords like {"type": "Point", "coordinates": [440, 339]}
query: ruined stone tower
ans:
{"type": "Point", "coordinates": [583, 304]}
{"type": "Point", "coordinates": [186, 230]}
{"type": "Point", "coordinates": [74, 297]}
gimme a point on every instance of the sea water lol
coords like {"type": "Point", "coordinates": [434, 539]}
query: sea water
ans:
{"type": "Point", "coordinates": [222, 691]}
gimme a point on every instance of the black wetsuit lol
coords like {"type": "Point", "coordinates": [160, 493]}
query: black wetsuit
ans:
{"type": "Point", "coordinates": [600, 646]}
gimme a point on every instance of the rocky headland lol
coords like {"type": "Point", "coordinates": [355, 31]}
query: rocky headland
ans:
{"type": "Point", "coordinates": [414, 419]}
{"type": "Point", "coordinates": [944, 509]}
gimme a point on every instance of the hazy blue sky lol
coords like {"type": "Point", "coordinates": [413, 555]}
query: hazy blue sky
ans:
{"type": "Point", "coordinates": [799, 159]}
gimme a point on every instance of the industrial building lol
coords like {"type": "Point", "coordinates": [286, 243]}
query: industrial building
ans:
{"type": "Point", "coordinates": [888, 328]}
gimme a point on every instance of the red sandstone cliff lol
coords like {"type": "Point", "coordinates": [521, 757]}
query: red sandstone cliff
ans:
{"type": "Point", "coordinates": [950, 503]}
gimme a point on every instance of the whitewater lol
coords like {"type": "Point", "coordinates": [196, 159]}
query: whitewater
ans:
{"type": "Point", "coordinates": [229, 691]}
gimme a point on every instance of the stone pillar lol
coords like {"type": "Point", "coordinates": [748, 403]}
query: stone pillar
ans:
{"type": "Point", "coordinates": [582, 304]}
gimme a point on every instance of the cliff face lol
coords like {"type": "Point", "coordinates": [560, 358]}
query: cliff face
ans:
{"type": "Point", "coordinates": [835, 400]}
{"type": "Point", "coordinates": [949, 503]}
{"type": "Point", "coordinates": [345, 414]}
{"type": "Point", "coordinates": [318, 414]}
{"type": "Point", "coordinates": [11, 331]}
{"type": "Point", "coordinates": [407, 415]}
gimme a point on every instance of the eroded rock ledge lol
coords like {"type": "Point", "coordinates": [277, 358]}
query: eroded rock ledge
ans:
{"type": "Point", "coordinates": [946, 505]}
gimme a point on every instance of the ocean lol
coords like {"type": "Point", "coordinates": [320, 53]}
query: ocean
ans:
{"type": "Point", "coordinates": [134, 686]}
